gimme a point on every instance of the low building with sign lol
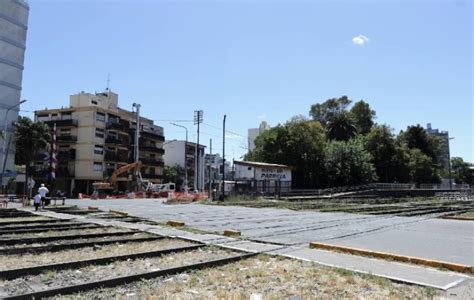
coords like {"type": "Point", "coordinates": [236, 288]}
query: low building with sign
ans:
{"type": "Point", "coordinates": [262, 177]}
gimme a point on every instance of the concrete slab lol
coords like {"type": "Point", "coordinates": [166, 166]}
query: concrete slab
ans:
{"type": "Point", "coordinates": [445, 240]}
{"type": "Point", "coordinates": [392, 270]}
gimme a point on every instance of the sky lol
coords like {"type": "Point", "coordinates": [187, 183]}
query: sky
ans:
{"type": "Point", "coordinates": [412, 61]}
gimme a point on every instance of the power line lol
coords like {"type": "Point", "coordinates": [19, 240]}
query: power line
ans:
{"type": "Point", "coordinates": [228, 131]}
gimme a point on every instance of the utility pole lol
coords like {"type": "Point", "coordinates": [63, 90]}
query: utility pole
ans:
{"type": "Point", "coordinates": [210, 170]}
{"type": "Point", "coordinates": [223, 158]}
{"type": "Point", "coordinates": [137, 140]}
{"type": "Point", "coordinates": [198, 116]}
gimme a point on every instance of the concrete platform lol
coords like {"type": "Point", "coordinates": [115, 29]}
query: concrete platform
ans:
{"type": "Point", "coordinates": [285, 222]}
{"type": "Point", "coordinates": [437, 239]}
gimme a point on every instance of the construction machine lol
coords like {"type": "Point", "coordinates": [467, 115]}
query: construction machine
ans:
{"type": "Point", "coordinates": [110, 186]}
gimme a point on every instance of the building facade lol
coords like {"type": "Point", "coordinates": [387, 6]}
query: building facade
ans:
{"type": "Point", "coordinates": [261, 177]}
{"type": "Point", "coordinates": [444, 156]}
{"type": "Point", "coordinates": [253, 133]}
{"type": "Point", "coordinates": [214, 169]}
{"type": "Point", "coordinates": [184, 154]}
{"type": "Point", "coordinates": [13, 29]}
{"type": "Point", "coordinates": [94, 137]}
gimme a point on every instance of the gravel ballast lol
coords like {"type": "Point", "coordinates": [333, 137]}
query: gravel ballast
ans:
{"type": "Point", "coordinates": [52, 233]}
{"type": "Point", "coordinates": [263, 277]}
{"type": "Point", "coordinates": [79, 240]}
{"type": "Point", "coordinates": [31, 260]}
{"type": "Point", "coordinates": [55, 279]}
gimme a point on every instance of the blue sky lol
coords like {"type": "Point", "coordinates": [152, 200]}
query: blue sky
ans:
{"type": "Point", "coordinates": [258, 60]}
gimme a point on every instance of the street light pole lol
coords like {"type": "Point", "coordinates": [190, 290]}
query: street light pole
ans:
{"type": "Point", "coordinates": [185, 157]}
{"type": "Point", "coordinates": [5, 128]}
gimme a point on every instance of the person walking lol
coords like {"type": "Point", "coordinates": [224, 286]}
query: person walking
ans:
{"type": "Point", "coordinates": [42, 191]}
{"type": "Point", "coordinates": [37, 201]}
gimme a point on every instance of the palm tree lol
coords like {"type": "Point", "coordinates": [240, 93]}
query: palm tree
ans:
{"type": "Point", "coordinates": [341, 127]}
{"type": "Point", "coordinates": [31, 138]}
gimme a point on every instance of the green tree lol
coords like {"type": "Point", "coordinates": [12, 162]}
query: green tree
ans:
{"type": "Point", "coordinates": [416, 137]}
{"type": "Point", "coordinates": [363, 116]}
{"type": "Point", "coordinates": [348, 163]}
{"type": "Point", "coordinates": [421, 167]}
{"type": "Point", "coordinates": [341, 127]}
{"type": "Point", "coordinates": [460, 169]}
{"type": "Point", "coordinates": [323, 112]}
{"type": "Point", "coordinates": [31, 138]}
{"type": "Point", "coordinates": [300, 144]}
{"type": "Point", "coordinates": [173, 174]}
{"type": "Point", "coordinates": [389, 158]}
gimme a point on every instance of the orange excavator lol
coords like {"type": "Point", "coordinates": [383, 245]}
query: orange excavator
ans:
{"type": "Point", "coordinates": [113, 179]}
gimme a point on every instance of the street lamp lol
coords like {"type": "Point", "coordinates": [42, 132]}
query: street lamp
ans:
{"type": "Point", "coordinates": [185, 157]}
{"type": "Point", "coordinates": [449, 166]}
{"type": "Point", "coordinates": [5, 128]}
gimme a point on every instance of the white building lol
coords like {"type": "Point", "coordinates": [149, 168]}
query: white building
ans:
{"type": "Point", "coordinates": [253, 133]}
{"type": "Point", "coordinates": [263, 177]}
{"type": "Point", "coordinates": [184, 154]}
{"type": "Point", "coordinates": [13, 28]}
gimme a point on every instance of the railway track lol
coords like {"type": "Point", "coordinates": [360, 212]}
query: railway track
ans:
{"type": "Point", "coordinates": [111, 258]}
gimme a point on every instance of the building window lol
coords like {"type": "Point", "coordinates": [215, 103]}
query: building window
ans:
{"type": "Point", "coordinates": [97, 167]}
{"type": "Point", "coordinates": [65, 131]}
{"type": "Point", "coordinates": [98, 149]}
{"type": "Point", "coordinates": [152, 171]}
{"type": "Point", "coordinates": [100, 117]}
{"type": "Point", "coordinates": [94, 102]}
{"type": "Point", "coordinates": [99, 133]}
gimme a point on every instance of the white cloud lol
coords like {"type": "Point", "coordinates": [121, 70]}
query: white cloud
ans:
{"type": "Point", "coordinates": [360, 40]}
{"type": "Point", "coordinates": [262, 117]}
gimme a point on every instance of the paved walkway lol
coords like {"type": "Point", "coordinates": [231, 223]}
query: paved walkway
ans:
{"type": "Point", "coordinates": [457, 286]}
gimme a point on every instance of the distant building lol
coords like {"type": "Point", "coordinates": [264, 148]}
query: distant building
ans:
{"type": "Point", "coordinates": [444, 137]}
{"type": "Point", "coordinates": [184, 154]}
{"type": "Point", "coordinates": [13, 29]}
{"type": "Point", "coordinates": [94, 138]}
{"type": "Point", "coordinates": [253, 133]}
{"type": "Point", "coordinates": [262, 177]}
{"type": "Point", "coordinates": [214, 169]}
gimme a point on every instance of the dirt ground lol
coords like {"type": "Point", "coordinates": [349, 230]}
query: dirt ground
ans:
{"type": "Point", "coordinates": [263, 277]}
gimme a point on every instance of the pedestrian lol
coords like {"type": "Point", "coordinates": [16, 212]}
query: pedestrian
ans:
{"type": "Point", "coordinates": [43, 191]}
{"type": "Point", "coordinates": [37, 201]}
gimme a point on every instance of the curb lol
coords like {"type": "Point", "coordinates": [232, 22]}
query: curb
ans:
{"type": "Point", "coordinates": [396, 257]}
{"type": "Point", "coordinates": [118, 212]}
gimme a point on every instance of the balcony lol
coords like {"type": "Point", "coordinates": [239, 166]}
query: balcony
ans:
{"type": "Point", "coordinates": [62, 123]}
{"type": "Point", "coordinates": [120, 156]}
{"type": "Point", "coordinates": [152, 132]}
{"type": "Point", "coordinates": [152, 149]}
{"type": "Point", "coordinates": [66, 139]}
{"type": "Point", "coordinates": [152, 161]}
{"type": "Point", "coordinates": [66, 155]}
{"type": "Point", "coordinates": [121, 126]}
{"type": "Point", "coordinates": [113, 140]}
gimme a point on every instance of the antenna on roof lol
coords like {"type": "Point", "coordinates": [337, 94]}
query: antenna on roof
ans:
{"type": "Point", "coordinates": [107, 89]}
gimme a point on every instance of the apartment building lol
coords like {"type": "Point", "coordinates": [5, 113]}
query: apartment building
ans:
{"type": "Point", "coordinates": [444, 155]}
{"type": "Point", "coordinates": [184, 154]}
{"type": "Point", "coordinates": [13, 30]}
{"type": "Point", "coordinates": [253, 133]}
{"type": "Point", "coordinates": [94, 137]}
